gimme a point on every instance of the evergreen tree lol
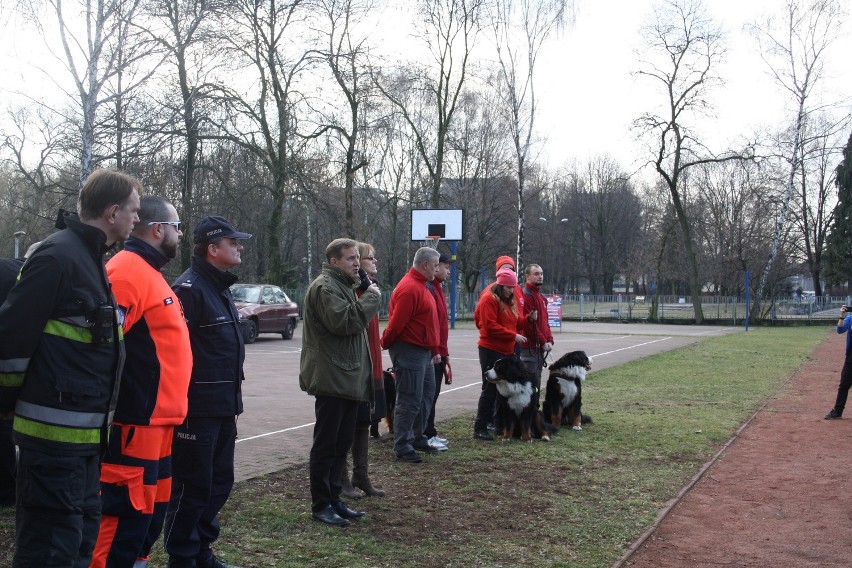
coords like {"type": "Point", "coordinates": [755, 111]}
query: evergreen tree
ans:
{"type": "Point", "coordinates": [839, 242]}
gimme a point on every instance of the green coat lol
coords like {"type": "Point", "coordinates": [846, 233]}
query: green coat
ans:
{"type": "Point", "coordinates": [335, 357]}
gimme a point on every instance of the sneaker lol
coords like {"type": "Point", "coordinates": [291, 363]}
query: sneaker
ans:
{"type": "Point", "coordinates": [483, 435]}
{"type": "Point", "coordinates": [440, 440]}
{"type": "Point", "coordinates": [833, 415]}
{"type": "Point", "coordinates": [425, 447]}
{"type": "Point", "coordinates": [410, 457]}
{"type": "Point", "coordinates": [437, 445]}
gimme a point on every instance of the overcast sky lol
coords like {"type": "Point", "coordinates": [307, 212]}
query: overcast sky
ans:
{"type": "Point", "coordinates": [592, 103]}
{"type": "Point", "coordinates": [588, 95]}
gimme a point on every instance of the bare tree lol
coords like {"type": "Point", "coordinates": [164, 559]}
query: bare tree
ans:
{"type": "Point", "coordinates": [794, 48]}
{"type": "Point", "coordinates": [345, 56]}
{"type": "Point", "coordinates": [734, 213]}
{"type": "Point", "coordinates": [814, 191]}
{"type": "Point", "coordinates": [450, 30]}
{"type": "Point", "coordinates": [521, 27]}
{"type": "Point", "coordinates": [186, 37]}
{"type": "Point", "coordinates": [684, 47]}
{"type": "Point", "coordinates": [264, 36]}
{"type": "Point", "coordinates": [102, 50]}
{"type": "Point", "coordinates": [603, 216]}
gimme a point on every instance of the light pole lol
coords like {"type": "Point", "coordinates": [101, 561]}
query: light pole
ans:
{"type": "Point", "coordinates": [18, 235]}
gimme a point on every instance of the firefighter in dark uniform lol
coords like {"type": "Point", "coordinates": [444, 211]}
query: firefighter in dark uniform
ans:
{"type": "Point", "coordinates": [203, 446]}
{"type": "Point", "coordinates": [9, 269]}
{"type": "Point", "coordinates": [61, 356]}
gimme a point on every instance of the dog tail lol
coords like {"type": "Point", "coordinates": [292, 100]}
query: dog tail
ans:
{"type": "Point", "coordinates": [586, 419]}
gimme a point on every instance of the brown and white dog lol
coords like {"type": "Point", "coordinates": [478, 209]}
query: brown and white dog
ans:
{"type": "Point", "coordinates": [563, 395]}
{"type": "Point", "coordinates": [516, 388]}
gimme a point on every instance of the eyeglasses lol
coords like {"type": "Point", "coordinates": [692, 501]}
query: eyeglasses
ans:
{"type": "Point", "coordinates": [176, 224]}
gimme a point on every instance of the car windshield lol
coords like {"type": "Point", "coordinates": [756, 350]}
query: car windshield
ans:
{"type": "Point", "coordinates": [250, 294]}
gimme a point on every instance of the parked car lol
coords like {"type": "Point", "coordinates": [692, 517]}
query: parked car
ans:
{"type": "Point", "coordinates": [264, 308]}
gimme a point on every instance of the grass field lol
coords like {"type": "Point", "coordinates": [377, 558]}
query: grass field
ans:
{"type": "Point", "coordinates": [579, 500]}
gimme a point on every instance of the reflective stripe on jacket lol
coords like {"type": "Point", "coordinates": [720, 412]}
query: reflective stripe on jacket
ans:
{"type": "Point", "coordinates": [59, 327]}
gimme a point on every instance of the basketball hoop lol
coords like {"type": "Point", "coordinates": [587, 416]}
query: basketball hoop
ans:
{"type": "Point", "coordinates": [431, 241]}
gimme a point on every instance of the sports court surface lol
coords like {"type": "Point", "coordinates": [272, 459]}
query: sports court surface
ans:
{"type": "Point", "coordinates": [276, 429]}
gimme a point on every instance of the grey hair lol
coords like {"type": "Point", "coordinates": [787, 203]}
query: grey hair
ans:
{"type": "Point", "coordinates": [425, 254]}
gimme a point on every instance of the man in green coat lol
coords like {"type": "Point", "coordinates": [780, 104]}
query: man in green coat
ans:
{"type": "Point", "coordinates": [336, 369]}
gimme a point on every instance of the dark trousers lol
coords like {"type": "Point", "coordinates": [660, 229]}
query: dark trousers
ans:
{"type": "Point", "coordinates": [415, 388]}
{"type": "Point", "coordinates": [7, 464]}
{"type": "Point", "coordinates": [531, 359]}
{"type": "Point", "coordinates": [334, 431]}
{"type": "Point", "coordinates": [845, 383]}
{"type": "Point", "coordinates": [58, 509]}
{"type": "Point", "coordinates": [202, 479]}
{"type": "Point", "coordinates": [430, 430]}
{"type": "Point", "coordinates": [489, 394]}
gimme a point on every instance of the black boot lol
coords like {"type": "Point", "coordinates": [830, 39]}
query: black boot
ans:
{"type": "Point", "coordinates": [360, 459]}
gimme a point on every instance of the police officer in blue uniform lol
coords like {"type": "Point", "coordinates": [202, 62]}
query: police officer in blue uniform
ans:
{"type": "Point", "coordinates": [203, 446]}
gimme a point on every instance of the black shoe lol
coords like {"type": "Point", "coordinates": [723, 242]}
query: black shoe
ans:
{"type": "Point", "coordinates": [343, 510]}
{"type": "Point", "coordinates": [423, 446]}
{"type": "Point", "coordinates": [330, 517]}
{"type": "Point", "coordinates": [410, 457]}
{"type": "Point", "coordinates": [217, 563]}
{"type": "Point", "coordinates": [833, 415]}
{"type": "Point", "coordinates": [483, 435]}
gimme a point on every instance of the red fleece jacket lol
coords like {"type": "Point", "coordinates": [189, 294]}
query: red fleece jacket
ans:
{"type": "Point", "coordinates": [537, 332]}
{"type": "Point", "coordinates": [498, 325]}
{"type": "Point", "coordinates": [412, 314]}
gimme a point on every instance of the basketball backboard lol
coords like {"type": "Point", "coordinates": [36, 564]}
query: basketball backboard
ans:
{"type": "Point", "coordinates": [445, 223]}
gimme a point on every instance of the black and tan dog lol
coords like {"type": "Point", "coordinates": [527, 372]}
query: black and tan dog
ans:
{"type": "Point", "coordinates": [563, 394]}
{"type": "Point", "coordinates": [516, 388]}
{"type": "Point", "coordinates": [390, 404]}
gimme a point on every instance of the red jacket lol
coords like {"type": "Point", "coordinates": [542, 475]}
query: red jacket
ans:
{"type": "Point", "coordinates": [443, 324]}
{"type": "Point", "coordinates": [537, 332]}
{"type": "Point", "coordinates": [519, 295]}
{"type": "Point", "coordinates": [155, 379]}
{"type": "Point", "coordinates": [498, 325]}
{"type": "Point", "coordinates": [412, 314]}
{"type": "Point", "coordinates": [374, 343]}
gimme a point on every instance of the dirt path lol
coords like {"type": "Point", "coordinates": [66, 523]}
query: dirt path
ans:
{"type": "Point", "coordinates": [780, 494]}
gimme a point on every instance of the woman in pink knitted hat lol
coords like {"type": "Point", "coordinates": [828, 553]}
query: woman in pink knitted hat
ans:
{"type": "Point", "coordinates": [498, 321]}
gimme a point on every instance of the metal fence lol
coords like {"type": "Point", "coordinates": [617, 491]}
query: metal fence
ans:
{"type": "Point", "coordinates": [671, 309]}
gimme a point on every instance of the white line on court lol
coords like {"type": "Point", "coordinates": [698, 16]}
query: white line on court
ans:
{"type": "Point", "coordinates": [631, 347]}
{"type": "Point", "coordinates": [283, 352]}
{"type": "Point", "coordinates": [715, 330]}
{"type": "Point", "coordinates": [275, 432]}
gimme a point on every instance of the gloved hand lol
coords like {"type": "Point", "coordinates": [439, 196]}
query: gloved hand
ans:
{"type": "Point", "coordinates": [365, 279]}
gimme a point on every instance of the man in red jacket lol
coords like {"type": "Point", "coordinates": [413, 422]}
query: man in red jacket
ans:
{"type": "Point", "coordinates": [535, 326]}
{"type": "Point", "coordinates": [412, 338]}
{"type": "Point", "coordinates": [442, 371]}
{"type": "Point", "coordinates": [136, 474]}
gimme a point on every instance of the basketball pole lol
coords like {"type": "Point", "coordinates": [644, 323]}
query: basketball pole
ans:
{"type": "Point", "coordinates": [453, 280]}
